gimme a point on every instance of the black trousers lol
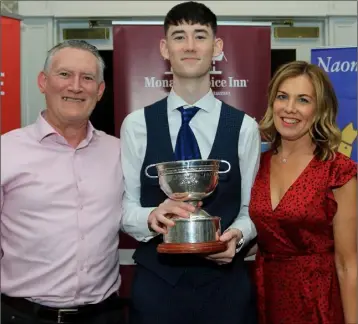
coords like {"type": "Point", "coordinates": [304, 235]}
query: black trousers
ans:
{"type": "Point", "coordinates": [11, 315]}
{"type": "Point", "coordinates": [227, 299]}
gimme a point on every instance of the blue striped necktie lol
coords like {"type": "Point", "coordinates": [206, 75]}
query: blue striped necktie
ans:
{"type": "Point", "coordinates": [187, 147]}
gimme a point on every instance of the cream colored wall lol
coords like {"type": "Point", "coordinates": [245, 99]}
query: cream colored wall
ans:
{"type": "Point", "coordinates": [43, 19]}
{"type": "Point", "coordinates": [160, 8]}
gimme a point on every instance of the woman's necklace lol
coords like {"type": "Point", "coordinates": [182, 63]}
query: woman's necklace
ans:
{"type": "Point", "coordinates": [284, 159]}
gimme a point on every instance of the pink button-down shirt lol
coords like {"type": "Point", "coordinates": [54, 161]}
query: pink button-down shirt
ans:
{"type": "Point", "coordinates": [60, 216]}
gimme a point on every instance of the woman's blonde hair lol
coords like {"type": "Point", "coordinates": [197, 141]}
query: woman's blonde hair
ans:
{"type": "Point", "coordinates": [324, 131]}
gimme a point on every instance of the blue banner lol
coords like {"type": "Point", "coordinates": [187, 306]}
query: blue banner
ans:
{"type": "Point", "coordinates": [341, 66]}
{"type": "Point", "coordinates": [265, 146]}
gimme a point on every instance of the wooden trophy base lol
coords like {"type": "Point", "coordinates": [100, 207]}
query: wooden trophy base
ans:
{"type": "Point", "coordinates": [192, 248]}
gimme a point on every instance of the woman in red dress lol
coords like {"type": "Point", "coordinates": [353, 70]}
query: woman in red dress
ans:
{"type": "Point", "coordinates": [303, 204]}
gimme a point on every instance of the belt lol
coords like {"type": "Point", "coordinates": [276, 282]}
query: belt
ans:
{"type": "Point", "coordinates": [60, 315]}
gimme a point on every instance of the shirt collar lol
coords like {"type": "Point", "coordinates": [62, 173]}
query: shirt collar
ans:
{"type": "Point", "coordinates": [206, 103]}
{"type": "Point", "coordinates": [44, 129]}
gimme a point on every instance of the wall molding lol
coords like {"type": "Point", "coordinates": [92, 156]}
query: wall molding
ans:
{"type": "Point", "coordinates": [121, 9]}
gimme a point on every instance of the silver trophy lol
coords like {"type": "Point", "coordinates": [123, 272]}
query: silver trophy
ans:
{"type": "Point", "coordinates": [190, 181]}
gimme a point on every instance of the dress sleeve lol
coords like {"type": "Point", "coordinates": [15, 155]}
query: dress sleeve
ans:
{"type": "Point", "coordinates": [343, 169]}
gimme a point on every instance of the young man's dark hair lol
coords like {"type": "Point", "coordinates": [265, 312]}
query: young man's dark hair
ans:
{"type": "Point", "coordinates": [191, 13]}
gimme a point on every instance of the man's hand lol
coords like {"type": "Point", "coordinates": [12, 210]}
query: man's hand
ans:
{"type": "Point", "coordinates": [159, 219]}
{"type": "Point", "coordinates": [232, 237]}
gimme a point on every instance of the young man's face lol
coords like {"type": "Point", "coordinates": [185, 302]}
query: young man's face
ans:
{"type": "Point", "coordinates": [190, 49]}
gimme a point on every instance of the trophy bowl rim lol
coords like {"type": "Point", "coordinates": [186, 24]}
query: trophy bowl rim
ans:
{"type": "Point", "coordinates": [193, 160]}
{"type": "Point", "coordinates": [207, 162]}
{"type": "Point", "coordinates": [185, 166]}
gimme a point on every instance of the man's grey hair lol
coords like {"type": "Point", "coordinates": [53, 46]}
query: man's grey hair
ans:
{"type": "Point", "coordinates": [78, 44]}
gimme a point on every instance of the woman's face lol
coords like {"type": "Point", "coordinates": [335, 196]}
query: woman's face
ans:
{"type": "Point", "coordinates": [294, 108]}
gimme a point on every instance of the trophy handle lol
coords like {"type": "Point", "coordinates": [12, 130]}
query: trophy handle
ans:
{"type": "Point", "coordinates": [228, 166]}
{"type": "Point", "coordinates": [146, 171]}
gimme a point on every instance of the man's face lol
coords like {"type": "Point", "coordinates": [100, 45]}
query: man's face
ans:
{"type": "Point", "coordinates": [190, 49]}
{"type": "Point", "coordinates": [71, 86]}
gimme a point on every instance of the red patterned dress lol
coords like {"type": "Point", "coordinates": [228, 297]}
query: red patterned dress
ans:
{"type": "Point", "coordinates": [295, 270]}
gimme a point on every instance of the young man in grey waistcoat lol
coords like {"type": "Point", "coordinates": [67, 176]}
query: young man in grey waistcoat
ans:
{"type": "Point", "coordinates": [187, 289]}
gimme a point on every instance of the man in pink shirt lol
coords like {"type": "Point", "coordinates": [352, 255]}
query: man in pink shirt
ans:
{"type": "Point", "coordinates": [61, 197]}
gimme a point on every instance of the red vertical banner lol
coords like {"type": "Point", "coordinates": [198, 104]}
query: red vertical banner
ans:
{"type": "Point", "coordinates": [239, 76]}
{"type": "Point", "coordinates": [10, 98]}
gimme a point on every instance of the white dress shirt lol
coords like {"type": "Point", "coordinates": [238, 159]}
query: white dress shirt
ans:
{"type": "Point", "coordinates": [204, 125]}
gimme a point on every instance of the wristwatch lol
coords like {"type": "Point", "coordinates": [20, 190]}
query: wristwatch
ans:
{"type": "Point", "coordinates": [239, 244]}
